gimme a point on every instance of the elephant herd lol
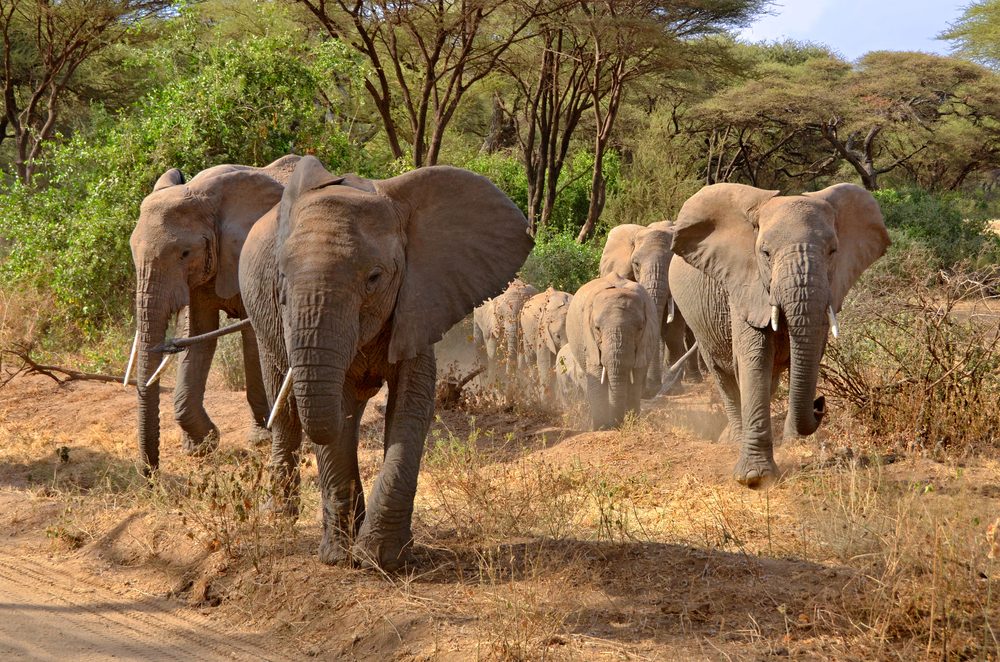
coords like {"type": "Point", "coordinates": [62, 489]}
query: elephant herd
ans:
{"type": "Point", "coordinates": [348, 282]}
{"type": "Point", "coordinates": [754, 278]}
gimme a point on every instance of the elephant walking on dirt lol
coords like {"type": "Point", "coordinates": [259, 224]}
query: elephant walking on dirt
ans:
{"type": "Point", "coordinates": [642, 254]}
{"type": "Point", "coordinates": [186, 248]}
{"type": "Point", "coordinates": [760, 278]}
{"type": "Point", "coordinates": [613, 331]}
{"type": "Point", "coordinates": [496, 326]}
{"type": "Point", "coordinates": [348, 283]}
{"type": "Point", "coordinates": [543, 334]}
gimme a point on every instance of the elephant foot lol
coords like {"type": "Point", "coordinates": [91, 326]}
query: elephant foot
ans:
{"type": "Point", "coordinates": [387, 553]}
{"type": "Point", "coordinates": [259, 436]}
{"type": "Point", "coordinates": [335, 550]}
{"type": "Point", "coordinates": [203, 446]}
{"type": "Point", "coordinates": [755, 471]}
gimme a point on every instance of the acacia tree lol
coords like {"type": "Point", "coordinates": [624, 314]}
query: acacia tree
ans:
{"type": "Point", "coordinates": [630, 39]}
{"type": "Point", "coordinates": [976, 34]}
{"type": "Point", "coordinates": [551, 94]}
{"type": "Point", "coordinates": [425, 55]}
{"type": "Point", "coordinates": [44, 43]}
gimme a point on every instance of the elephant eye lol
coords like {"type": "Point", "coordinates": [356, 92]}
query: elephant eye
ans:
{"type": "Point", "coordinates": [185, 253]}
{"type": "Point", "coordinates": [374, 277]}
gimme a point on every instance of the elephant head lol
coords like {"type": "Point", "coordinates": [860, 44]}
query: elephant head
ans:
{"type": "Point", "coordinates": [642, 254]}
{"type": "Point", "coordinates": [383, 266]}
{"type": "Point", "coordinates": [552, 325]}
{"type": "Point", "coordinates": [189, 235]}
{"type": "Point", "coordinates": [785, 260]}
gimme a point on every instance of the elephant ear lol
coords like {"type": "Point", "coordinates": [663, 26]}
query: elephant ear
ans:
{"type": "Point", "coordinates": [715, 233]}
{"type": "Point", "coordinates": [465, 241]}
{"type": "Point", "coordinates": [172, 177]}
{"type": "Point", "coordinates": [861, 235]}
{"type": "Point", "coordinates": [555, 313]}
{"type": "Point", "coordinates": [281, 169]}
{"type": "Point", "coordinates": [237, 198]}
{"type": "Point", "coordinates": [617, 255]}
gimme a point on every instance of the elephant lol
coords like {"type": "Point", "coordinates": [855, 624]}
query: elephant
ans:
{"type": "Point", "coordinates": [348, 283]}
{"type": "Point", "coordinates": [612, 327]}
{"type": "Point", "coordinates": [543, 334]}
{"type": "Point", "coordinates": [642, 254]}
{"type": "Point", "coordinates": [496, 325]}
{"type": "Point", "coordinates": [186, 247]}
{"type": "Point", "coordinates": [760, 278]}
{"type": "Point", "coordinates": [570, 380]}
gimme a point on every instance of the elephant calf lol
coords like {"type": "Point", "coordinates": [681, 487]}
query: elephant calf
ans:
{"type": "Point", "coordinates": [613, 331]}
{"type": "Point", "coordinates": [496, 328]}
{"type": "Point", "coordinates": [543, 334]}
{"type": "Point", "coordinates": [348, 283]}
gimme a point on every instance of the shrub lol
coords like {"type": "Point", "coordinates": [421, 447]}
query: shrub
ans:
{"type": "Point", "coordinates": [247, 102]}
{"type": "Point", "coordinates": [559, 261]}
{"type": "Point", "coordinates": [936, 222]}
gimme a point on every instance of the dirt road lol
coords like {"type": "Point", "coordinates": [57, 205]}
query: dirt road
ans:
{"type": "Point", "coordinates": [46, 614]}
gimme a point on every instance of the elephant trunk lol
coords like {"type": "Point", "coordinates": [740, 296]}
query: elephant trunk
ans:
{"type": "Point", "coordinates": [618, 376]}
{"type": "Point", "coordinates": [654, 280]}
{"type": "Point", "coordinates": [804, 302]}
{"type": "Point", "coordinates": [320, 353]}
{"type": "Point", "coordinates": [151, 318]}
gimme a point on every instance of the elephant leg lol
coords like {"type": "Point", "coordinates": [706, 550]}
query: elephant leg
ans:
{"type": "Point", "coordinates": [386, 535]}
{"type": "Point", "coordinates": [256, 395]}
{"type": "Point", "coordinates": [673, 340]}
{"type": "Point", "coordinates": [286, 442]}
{"type": "Point", "coordinates": [340, 488]}
{"type": "Point", "coordinates": [600, 408]}
{"type": "Point", "coordinates": [754, 356]}
{"type": "Point", "coordinates": [545, 365]}
{"type": "Point", "coordinates": [199, 435]}
{"type": "Point", "coordinates": [696, 365]}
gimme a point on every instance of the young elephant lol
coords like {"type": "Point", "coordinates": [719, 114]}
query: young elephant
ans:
{"type": "Point", "coordinates": [186, 247]}
{"type": "Point", "coordinates": [348, 284]}
{"type": "Point", "coordinates": [612, 328]}
{"type": "Point", "coordinates": [760, 278]}
{"type": "Point", "coordinates": [495, 326]}
{"type": "Point", "coordinates": [543, 333]}
{"type": "Point", "coordinates": [642, 254]}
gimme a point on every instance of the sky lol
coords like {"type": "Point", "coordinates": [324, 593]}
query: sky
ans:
{"type": "Point", "coordinates": [855, 27]}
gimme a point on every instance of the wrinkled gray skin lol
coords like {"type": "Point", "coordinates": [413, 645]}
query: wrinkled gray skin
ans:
{"type": "Point", "coordinates": [743, 250]}
{"type": "Point", "coordinates": [642, 254]}
{"type": "Point", "coordinates": [496, 326]}
{"type": "Point", "coordinates": [543, 334]}
{"type": "Point", "coordinates": [186, 247]}
{"type": "Point", "coordinates": [348, 283]}
{"type": "Point", "coordinates": [613, 324]}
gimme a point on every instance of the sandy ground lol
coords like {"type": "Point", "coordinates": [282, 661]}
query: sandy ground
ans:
{"type": "Point", "coordinates": [687, 565]}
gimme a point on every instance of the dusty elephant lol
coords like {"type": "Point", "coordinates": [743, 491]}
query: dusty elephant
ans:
{"type": "Point", "coordinates": [186, 248]}
{"type": "Point", "coordinates": [613, 330]}
{"type": "Point", "coordinates": [760, 279]}
{"type": "Point", "coordinates": [543, 334]}
{"type": "Point", "coordinates": [348, 283]}
{"type": "Point", "coordinates": [496, 326]}
{"type": "Point", "coordinates": [570, 380]}
{"type": "Point", "coordinates": [642, 254]}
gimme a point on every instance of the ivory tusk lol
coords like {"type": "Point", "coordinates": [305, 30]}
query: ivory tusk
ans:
{"type": "Point", "coordinates": [279, 401]}
{"type": "Point", "coordinates": [159, 370]}
{"type": "Point", "coordinates": [131, 358]}
{"type": "Point", "coordinates": [834, 327]}
{"type": "Point", "coordinates": [775, 315]}
{"type": "Point", "coordinates": [604, 373]}
{"type": "Point", "coordinates": [631, 377]}
{"type": "Point", "coordinates": [670, 310]}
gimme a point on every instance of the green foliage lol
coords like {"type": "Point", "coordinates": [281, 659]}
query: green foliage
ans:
{"type": "Point", "coordinates": [559, 261]}
{"type": "Point", "coordinates": [936, 224]}
{"type": "Point", "coordinates": [248, 102]}
{"type": "Point", "coordinates": [504, 171]}
{"type": "Point", "coordinates": [976, 34]}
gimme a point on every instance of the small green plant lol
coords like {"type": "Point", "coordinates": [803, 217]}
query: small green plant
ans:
{"type": "Point", "coordinates": [559, 261]}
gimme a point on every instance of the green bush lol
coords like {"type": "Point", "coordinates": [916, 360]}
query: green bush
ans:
{"type": "Point", "coordinates": [559, 261]}
{"type": "Point", "coordinates": [939, 225]}
{"type": "Point", "coordinates": [248, 102]}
